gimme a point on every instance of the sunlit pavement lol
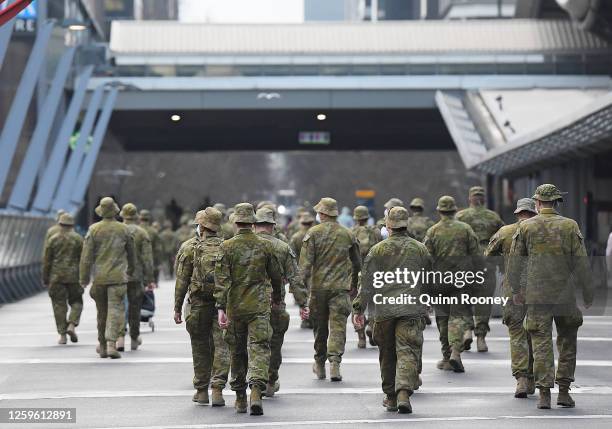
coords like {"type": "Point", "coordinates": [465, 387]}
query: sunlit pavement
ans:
{"type": "Point", "coordinates": [152, 388]}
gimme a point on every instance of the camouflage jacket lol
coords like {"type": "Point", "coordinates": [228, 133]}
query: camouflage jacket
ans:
{"type": "Point", "coordinates": [156, 244]}
{"type": "Point", "coordinates": [296, 242]}
{"type": "Point", "coordinates": [61, 258]}
{"type": "Point", "coordinates": [399, 251]}
{"type": "Point", "coordinates": [548, 259]}
{"type": "Point", "coordinates": [53, 229]}
{"type": "Point", "coordinates": [184, 233]}
{"type": "Point", "coordinates": [195, 270]}
{"type": "Point", "coordinates": [289, 269]}
{"type": "Point", "coordinates": [279, 234]}
{"type": "Point", "coordinates": [453, 247]}
{"type": "Point", "coordinates": [330, 258]}
{"type": "Point", "coordinates": [483, 221]}
{"type": "Point", "coordinates": [247, 276]}
{"type": "Point", "coordinates": [367, 236]}
{"type": "Point", "coordinates": [109, 251]}
{"type": "Point", "coordinates": [227, 231]}
{"type": "Point", "coordinates": [499, 250]}
{"type": "Point", "coordinates": [143, 261]}
{"type": "Point", "coordinates": [169, 242]}
{"type": "Point", "coordinates": [418, 226]}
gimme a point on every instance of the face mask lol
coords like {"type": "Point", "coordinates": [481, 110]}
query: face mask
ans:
{"type": "Point", "coordinates": [318, 218]}
{"type": "Point", "coordinates": [384, 232]}
{"type": "Point", "coordinates": [198, 231]}
{"type": "Point", "coordinates": [386, 212]}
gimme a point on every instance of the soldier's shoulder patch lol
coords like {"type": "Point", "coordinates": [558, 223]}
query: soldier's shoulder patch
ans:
{"type": "Point", "coordinates": [291, 252]}
{"type": "Point", "coordinates": [219, 256]}
{"type": "Point", "coordinates": [579, 234]}
{"type": "Point", "coordinates": [306, 238]}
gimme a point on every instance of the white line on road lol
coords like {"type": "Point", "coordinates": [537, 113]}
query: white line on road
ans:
{"type": "Point", "coordinates": [363, 421]}
{"type": "Point", "coordinates": [425, 390]}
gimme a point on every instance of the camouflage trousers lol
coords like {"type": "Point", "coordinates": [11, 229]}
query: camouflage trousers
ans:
{"type": "Point", "coordinates": [400, 346]}
{"type": "Point", "coordinates": [521, 353]}
{"type": "Point", "coordinates": [110, 304]}
{"type": "Point", "coordinates": [482, 312]}
{"type": "Point", "coordinates": [63, 295]}
{"type": "Point", "coordinates": [452, 321]}
{"type": "Point", "coordinates": [249, 341]}
{"type": "Point", "coordinates": [538, 324]}
{"type": "Point", "coordinates": [279, 320]}
{"type": "Point", "coordinates": [210, 352]}
{"type": "Point", "coordinates": [329, 310]}
{"type": "Point", "coordinates": [135, 292]}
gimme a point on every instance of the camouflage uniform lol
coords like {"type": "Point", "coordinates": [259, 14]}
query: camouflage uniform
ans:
{"type": "Point", "coordinates": [156, 244]}
{"type": "Point", "coordinates": [227, 231]}
{"type": "Point", "coordinates": [393, 202]}
{"type": "Point", "coordinates": [398, 329]}
{"type": "Point", "coordinates": [330, 263]}
{"type": "Point", "coordinates": [453, 247]}
{"type": "Point", "coordinates": [185, 231]}
{"type": "Point", "coordinates": [108, 251]}
{"type": "Point", "coordinates": [53, 229]}
{"type": "Point", "coordinates": [61, 273]}
{"type": "Point", "coordinates": [547, 259]}
{"type": "Point", "coordinates": [279, 318]}
{"type": "Point", "coordinates": [521, 354]}
{"type": "Point", "coordinates": [170, 245]}
{"type": "Point", "coordinates": [306, 222]}
{"type": "Point", "coordinates": [195, 270]}
{"type": "Point", "coordinates": [247, 278]}
{"type": "Point", "coordinates": [296, 223]}
{"type": "Point", "coordinates": [143, 270]}
{"type": "Point", "coordinates": [485, 223]}
{"type": "Point", "coordinates": [417, 223]}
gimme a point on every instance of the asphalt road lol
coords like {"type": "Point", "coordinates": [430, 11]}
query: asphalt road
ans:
{"type": "Point", "coordinates": [151, 388]}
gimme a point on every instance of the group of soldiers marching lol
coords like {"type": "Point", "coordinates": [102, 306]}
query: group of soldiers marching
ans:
{"type": "Point", "coordinates": [232, 271]}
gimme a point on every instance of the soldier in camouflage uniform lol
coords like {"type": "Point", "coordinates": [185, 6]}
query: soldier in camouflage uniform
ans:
{"type": "Point", "coordinates": [453, 246]}
{"type": "Point", "coordinates": [547, 259]}
{"type": "Point", "coordinates": [279, 318]}
{"type": "Point", "coordinates": [418, 224]}
{"type": "Point", "coordinates": [227, 231]}
{"type": "Point", "coordinates": [305, 223]}
{"type": "Point", "coordinates": [330, 263]}
{"type": "Point", "coordinates": [108, 251]}
{"type": "Point", "coordinates": [142, 275]}
{"type": "Point", "coordinates": [61, 275]}
{"type": "Point", "coordinates": [156, 244]}
{"type": "Point", "coordinates": [398, 328]}
{"type": "Point", "coordinates": [195, 269]}
{"type": "Point", "coordinates": [247, 279]}
{"type": "Point", "coordinates": [367, 236]}
{"type": "Point", "coordinates": [185, 231]}
{"type": "Point", "coordinates": [393, 202]}
{"type": "Point", "coordinates": [55, 227]}
{"type": "Point", "coordinates": [521, 354]}
{"type": "Point", "coordinates": [296, 223]}
{"type": "Point", "coordinates": [170, 246]}
{"type": "Point", "coordinates": [278, 233]}
{"type": "Point", "coordinates": [485, 223]}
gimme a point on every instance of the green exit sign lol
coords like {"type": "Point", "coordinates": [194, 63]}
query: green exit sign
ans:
{"type": "Point", "coordinates": [314, 137]}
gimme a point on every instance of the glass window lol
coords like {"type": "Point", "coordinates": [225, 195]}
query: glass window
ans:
{"type": "Point", "coordinates": [128, 71]}
{"type": "Point", "coordinates": [189, 71]}
{"type": "Point", "coordinates": [335, 70]}
{"type": "Point", "coordinates": [305, 70]}
{"type": "Point", "coordinates": [393, 69]}
{"type": "Point", "coordinates": [160, 71]}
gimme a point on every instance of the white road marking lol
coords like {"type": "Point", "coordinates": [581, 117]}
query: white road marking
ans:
{"type": "Point", "coordinates": [425, 390]}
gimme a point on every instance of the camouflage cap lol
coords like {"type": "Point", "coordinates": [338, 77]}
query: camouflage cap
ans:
{"type": "Point", "coordinates": [59, 214]}
{"type": "Point", "coordinates": [397, 218]}
{"type": "Point", "coordinates": [446, 203]}
{"type": "Point", "coordinates": [476, 190]}
{"type": "Point", "coordinates": [394, 202]}
{"type": "Point", "coordinates": [221, 207]}
{"type": "Point", "coordinates": [417, 202]}
{"type": "Point", "coordinates": [243, 213]}
{"type": "Point", "coordinates": [107, 208]}
{"type": "Point", "coordinates": [525, 205]}
{"type": "Point", "coordinates": [361, 213]}
{"type": "Point", "coordinates": [266, 203]}
{"type": "Point", "coordinates": [167, 224]}
{"type": "Point", "coordinates": [209, 218]}
{"type": "Point", "coordinates": [307, 218]}
{"type": "Point", "coordinates": [145, 215]}
{"type": "Point", "coordinates": [327, 206]}
{"type": "Point", "coordinates": [66, 220]}
{"type": "Point", "coordinates": [265, 215]}
{"type": "Point", "coordinates": [548, 192]}
{"type": "Point", "coordinates": [129, 211]}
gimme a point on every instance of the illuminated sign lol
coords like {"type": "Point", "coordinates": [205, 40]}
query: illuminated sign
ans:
{"type": "Point", "coordinates": [314, 137]}
{"type": "Point", "coordinates": [25, 21]}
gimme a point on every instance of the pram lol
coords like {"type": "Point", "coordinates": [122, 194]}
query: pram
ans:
{"type": "Point", "coordinates": [147, 310]}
